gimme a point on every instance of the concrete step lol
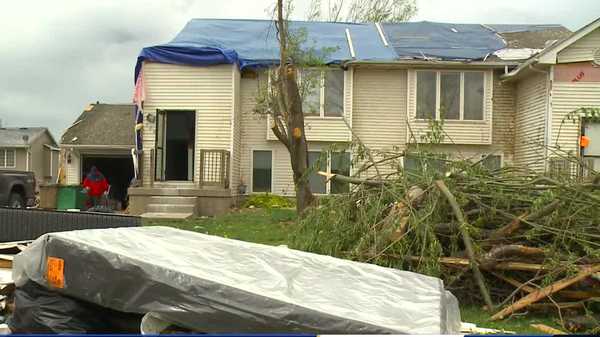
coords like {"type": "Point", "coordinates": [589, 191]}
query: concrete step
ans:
{"type": "Point", "coordinates": [175, 185]}
{"type": "Point", "coordinates": [170, 208]}
{"type": "Point", "coordinates": [172, 200]}
{"type": "Point", "coordinates": [159, 215]}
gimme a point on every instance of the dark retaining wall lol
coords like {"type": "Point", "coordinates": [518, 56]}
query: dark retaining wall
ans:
{"type": "Point", "coordinates": [28, 224]}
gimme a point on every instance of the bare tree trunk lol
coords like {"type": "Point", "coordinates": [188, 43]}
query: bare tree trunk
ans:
{"type": "Point", "coordinates": [294, 137]}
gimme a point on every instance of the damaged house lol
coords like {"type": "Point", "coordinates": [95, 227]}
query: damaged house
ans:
{"type": "Point", "coordinates": [501, 91]}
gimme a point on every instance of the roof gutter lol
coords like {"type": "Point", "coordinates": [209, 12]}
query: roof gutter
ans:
{"type": "Point", "coordinates": [99, 147]}
{"type": "Point", "coordinates": [431, 63]}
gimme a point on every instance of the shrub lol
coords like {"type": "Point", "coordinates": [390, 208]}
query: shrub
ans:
{"type": "Point", "coordinates": [268, 201]}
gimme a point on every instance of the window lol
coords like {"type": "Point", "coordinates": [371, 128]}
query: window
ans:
{"type": "Point", "coordinates": [340, 164]}
{"type": "Point", "coordinates": [8, 158]}
{"type": "Point", "coordinates": [451, 95]}
{"type": "Point", "coordinates": [323, 92]}
{"type": "Point", "coordinates": [416, 163]}
{"type": "Point", "coordinates": [261, 171]}
{"type": "Point", "coordinates": [492, 162]}
{"type": "Point", "coordinates": [426, 97]}
{"type": "Point", "coordinates": [332, 162]}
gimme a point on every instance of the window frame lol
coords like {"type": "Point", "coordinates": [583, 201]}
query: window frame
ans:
{"type": "Point", "coordinates": [321, 114]}
{"type": "Point", "coordinates": [6, 150]}
{"type": "Point", "coordinates": [328, 163]}
{"type": "Point", "coordinates": [438, 94]}
{"type": "Point", "coordinates": [251, 182]}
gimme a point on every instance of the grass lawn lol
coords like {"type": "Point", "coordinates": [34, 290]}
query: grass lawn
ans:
{"type": "Point", "coordinates": [274, 226]}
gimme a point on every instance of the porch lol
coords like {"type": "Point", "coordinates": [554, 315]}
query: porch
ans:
{"type": "Point", "coordinates": [208, 193]}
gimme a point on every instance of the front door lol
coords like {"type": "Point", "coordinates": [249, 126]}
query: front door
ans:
{"type": "Point", "coordinates": [175, 141]}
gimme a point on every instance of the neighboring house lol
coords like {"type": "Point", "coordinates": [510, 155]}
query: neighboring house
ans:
{"type": "Point", "coordinates": [102, 136]}
{"type": "Point", "coordinates": [203, 145]}
{"type": "Point", "coordinates": [30, 149]}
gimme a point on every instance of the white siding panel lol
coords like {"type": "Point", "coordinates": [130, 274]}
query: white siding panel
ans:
{"type": "Point", "coordinates": [456, 132]}
{"type": "Point", "coordinates": [532, 95]}
{"type": "Point", "coordinates": [236, 133]}
{"type": "Point", "coordinates": [379, 109]}
{"type": "Point", "coordinates": [581, 50]}
{"type": "Point", "coordinates": [567, 97]}
{"type": "Point", "coordinates": [207, 90]}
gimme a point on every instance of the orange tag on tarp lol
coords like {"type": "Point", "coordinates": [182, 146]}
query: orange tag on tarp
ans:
{"type": "Point", "coordinates": [55, 273]}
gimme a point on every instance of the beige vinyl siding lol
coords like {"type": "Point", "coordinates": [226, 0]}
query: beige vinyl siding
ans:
{"type": "Point", "coordinates": [206, 90]}
{"type": "Point", "coordinates": [457, 132]}
{"type": "Point", "coordinates": [236, 133]}
{"type": "Point", "coordinates": [254, 137]}
{"type": "Point", "coordinates": [379, 109]}
{"type": "Point", "coordinates": [581, 50]}
{"type": "Point", "coordinates": [328, 129]}
{"type": "Point", "coordinates": [503, 119]}
{"type": "Point", "coordinates": [532, 96]}
{"type": "Point", "coordinates": [566, 97]}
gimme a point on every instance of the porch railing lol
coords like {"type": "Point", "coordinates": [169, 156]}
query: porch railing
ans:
{"type": "Point", "coordinates": [214, 168]}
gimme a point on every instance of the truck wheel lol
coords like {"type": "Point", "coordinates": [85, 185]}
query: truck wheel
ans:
{"type": "Point", "coordinates": [16, 201]}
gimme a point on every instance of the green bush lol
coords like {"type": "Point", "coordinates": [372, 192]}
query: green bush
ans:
{"type": "Point", "coordinates": [268, 201]}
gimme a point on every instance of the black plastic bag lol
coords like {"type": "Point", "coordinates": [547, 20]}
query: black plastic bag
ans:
{"type": "Point", "coordinates": [39, 310]}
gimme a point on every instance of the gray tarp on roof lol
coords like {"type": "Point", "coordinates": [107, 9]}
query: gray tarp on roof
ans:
{"type": "Point", "coordinates": [104, 124]}
{"type": "Point", "coordinates": [213, 284]}
{"type": "Point", "coordinates": [20, 136]}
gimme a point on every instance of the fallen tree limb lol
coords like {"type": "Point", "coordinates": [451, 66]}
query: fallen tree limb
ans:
{"type": "Point", "coordinates": [351, 180]}
{"type": "Point", "coordinates": [515, 224]}
{"type": "Point", "coordinates": [544, 292]}
{"type": "Point", "coordinates": [500, 252]}
{"type": "Point", "coordinates": [547, 329]}
{"type": "Point", "coordinates": [467, 241]}
{"type": "Point", "coordinates": [459, 262]}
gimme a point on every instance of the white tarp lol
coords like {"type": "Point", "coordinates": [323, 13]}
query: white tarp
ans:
{"type": "Point", "coordinates": [213, 284]}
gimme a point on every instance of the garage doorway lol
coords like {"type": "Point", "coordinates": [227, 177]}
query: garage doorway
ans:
{"type": "Point", "coordinates": [118, 170]}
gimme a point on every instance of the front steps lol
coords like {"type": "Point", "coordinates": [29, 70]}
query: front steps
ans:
{"type": "Point", "coordinates": [170, 207]}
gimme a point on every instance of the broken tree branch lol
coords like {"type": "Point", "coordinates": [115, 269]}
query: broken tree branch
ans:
{"type": "Point", "coordinates": [351, 180]}
{"type": "Point", "coordinates": [544, 292]}
{"type": "Point", "coordinates": [467, 241]}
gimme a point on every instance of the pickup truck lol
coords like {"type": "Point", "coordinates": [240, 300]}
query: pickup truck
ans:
{"type": "Point", "coordinates": [17, 189]}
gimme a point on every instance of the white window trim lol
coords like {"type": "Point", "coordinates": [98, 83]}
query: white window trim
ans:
{"type": "Point", "coordinates": [250, 187]}
{"type": "Point", "coordinates": [6, 157]}
{"type": "Point", "coordinates": [438, 85]}
{"type": "Point", "coordinates": [328, 183]}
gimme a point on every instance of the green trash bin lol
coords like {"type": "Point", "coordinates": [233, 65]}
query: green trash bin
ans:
{"type": "Point", "coordinates": [70, 197]}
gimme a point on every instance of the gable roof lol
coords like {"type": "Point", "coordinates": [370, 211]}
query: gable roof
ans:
{"type": "Point", "coordinates": [102, 125]}
{"type": "Point", "coordinates": [23, 136]}
{"type": "Point", "coordinates": [550, 53]}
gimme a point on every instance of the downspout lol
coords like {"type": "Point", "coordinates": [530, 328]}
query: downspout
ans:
{"type": "Point", "coordinates": [548, 115]}
{"type": "Point", "coordinates": [27, 155]}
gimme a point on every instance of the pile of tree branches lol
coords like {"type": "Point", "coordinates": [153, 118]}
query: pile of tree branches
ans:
{"type": "Point", "coordinates": [510, 239]}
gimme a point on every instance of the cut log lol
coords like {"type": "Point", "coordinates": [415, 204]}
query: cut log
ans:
{"type": "Point", "coordinates": [467, 241]}
{"type": "Point", "coordinates": [545, 292]}
{"type": "Point", "coordinates": [547, 329]}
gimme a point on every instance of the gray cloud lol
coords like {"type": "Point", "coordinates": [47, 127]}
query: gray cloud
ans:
{"type": "Point", "coordinates": [58, 56]}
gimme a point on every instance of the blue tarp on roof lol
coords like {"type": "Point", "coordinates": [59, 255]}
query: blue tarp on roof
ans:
{"type": "Point", "coordinates": [253, 43]}
{"type": "Point", "coordinates": [446, 41]}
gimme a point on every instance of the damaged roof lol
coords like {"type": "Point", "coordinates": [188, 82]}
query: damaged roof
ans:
{"type": "Point", "coordinates": [253, 43]}
{"type": "Point", "coordinates": [102, 124]}
{"type": "Point", "coordinates": [22, 136]}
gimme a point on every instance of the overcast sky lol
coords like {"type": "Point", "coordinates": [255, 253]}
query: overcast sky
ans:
{"type": "Point", "coordinates": [58, 56]}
